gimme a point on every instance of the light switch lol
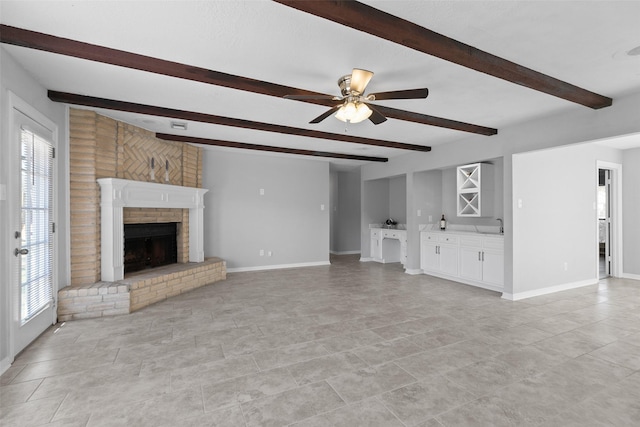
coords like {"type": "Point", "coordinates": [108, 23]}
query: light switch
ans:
{"type": "Point", "coordinates": [419, 213]}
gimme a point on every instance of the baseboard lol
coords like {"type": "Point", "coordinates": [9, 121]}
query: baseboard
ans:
{"type": "Point", "coordinates": [630, 276]}
{"type": "Point", "coordinates": [549, 290]}
{"type": "Point", "coordinates": [366, 259]}
{"type": "Point", "coordinates": [483, 285]}
{"type": "Point", "coordinates": [277, 267]}
{"type": "Point", "coordinates": [413, 271]}
{"type": "Point", "coordinates": [345, 252]}
{"type": "Point", "coordinates": [4, 365]}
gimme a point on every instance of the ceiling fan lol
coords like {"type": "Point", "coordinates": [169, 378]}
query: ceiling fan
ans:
{"type": "Point", "coordinates": [354, 106]}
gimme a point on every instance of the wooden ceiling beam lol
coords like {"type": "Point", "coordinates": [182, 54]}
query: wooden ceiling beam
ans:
{"type": "Point", "coordinates": [130, 107]}
{"type": "Point", "coordinates": [373, 21]}
{"type": "Point", "coordinates": [62, 46]}
{"type": "Point", "coordinates": [269, 148]}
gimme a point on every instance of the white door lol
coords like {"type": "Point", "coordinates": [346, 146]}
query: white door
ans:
{"type": "Point", "coordinates": [33, 230]}
{"type": "Point", "coordinates": [471, 263]}
{"type": "Point", "coordinates": [429, 258]}
{"type": "Point", "coordinates": [493, 266]}
{"type": "Point", "coordinates": [448, 259]}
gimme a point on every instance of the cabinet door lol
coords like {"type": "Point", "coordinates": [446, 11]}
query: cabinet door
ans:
{"type": "Point", "coordinates": [375, 248]}
{"type": "Point", "coordinates": [470, 263]}
{"type": "Point", "coordinates": [429, 259]}
{"type": "Point", "coordinates": [449, 260]}
{"type": "Point", "coordinates": [493, 267]}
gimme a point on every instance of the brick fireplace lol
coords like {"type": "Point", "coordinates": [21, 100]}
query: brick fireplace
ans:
{"type": "Point", "coordinates": [117, 194]}
{"type": "Point", "coordinates": [103, 150]}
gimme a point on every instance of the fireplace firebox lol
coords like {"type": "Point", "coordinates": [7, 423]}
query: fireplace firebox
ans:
{"type": "Point", "coordinates": [149, 246]}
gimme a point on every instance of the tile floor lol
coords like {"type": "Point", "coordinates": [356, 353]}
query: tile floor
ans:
{"type": "Point", "coordinates": [351, 344]}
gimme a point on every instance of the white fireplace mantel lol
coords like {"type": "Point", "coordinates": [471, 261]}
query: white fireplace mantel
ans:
{"type": "Point", "coordinates": [117, 194]}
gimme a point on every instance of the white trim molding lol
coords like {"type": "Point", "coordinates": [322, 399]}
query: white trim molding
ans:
{"type": "Point", "coordinates": [345, 252]}
{"type": "Point", "coordinates": [549, 290]}
{"type": "Point", "coordinates": [117, 194]}
{"type": "Point", "coordinates": [277, 267]}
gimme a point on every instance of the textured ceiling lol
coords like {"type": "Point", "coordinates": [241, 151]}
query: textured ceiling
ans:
{"type": "Point", "coordinates": [583, 43]}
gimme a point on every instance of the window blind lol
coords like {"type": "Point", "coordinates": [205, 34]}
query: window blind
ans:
{"type": "Point", "coordinates": [36, 267]}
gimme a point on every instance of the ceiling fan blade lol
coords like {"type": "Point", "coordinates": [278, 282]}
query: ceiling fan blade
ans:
{"type": "Point", "coordinates": [400, 94]}
{"type": "Point", "coordinates": [376, 117]}
{"type": "Point", "coordinates": [324, 115]}
{"type": "Point", "coordinates": [360, 80]}
{"type": "Point", "coordinates": [335, 98]}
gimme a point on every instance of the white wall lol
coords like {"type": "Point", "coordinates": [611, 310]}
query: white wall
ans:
{"type": "Point", "coordinates": [426, 193]}
{"type": "Point", "coordinates": [398, 199]}
{"type": "Point", "coordinates": [374, 209]}
{"type": "Point", "coordinates": [554, 218]}
{"type": "Point", "coordinates": [287, 220]}
{"type": "Point", "coordinates": [345, 211]}
{"type": "Point", "coordinates": [17, 80]}
{"type": "Point", "coordinates": [631, 212]}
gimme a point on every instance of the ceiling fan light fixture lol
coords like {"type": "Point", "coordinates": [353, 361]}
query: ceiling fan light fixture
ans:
{"type": "Point", "coordinates": [353, 112]}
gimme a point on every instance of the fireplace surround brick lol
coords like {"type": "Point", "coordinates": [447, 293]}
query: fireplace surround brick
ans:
{"type": "Point", "coordinates": [100, 147]}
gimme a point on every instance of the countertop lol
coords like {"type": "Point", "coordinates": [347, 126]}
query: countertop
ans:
{"type": "Point", "coordinates": [466, 232]}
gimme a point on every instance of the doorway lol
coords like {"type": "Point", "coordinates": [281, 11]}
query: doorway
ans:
{"type": "Point", "coordinates": [604, 223]}
{"type": "Point", "coordinates": [609, 219]}
{"type": "Point", "coordinates": [32, 222]}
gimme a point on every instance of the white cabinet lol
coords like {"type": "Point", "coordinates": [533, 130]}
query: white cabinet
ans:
{"type": "Point", "coordinates": [474, 185]}
{"type": "Point", "coordinates": [375, 244]}
{"type": "Point", "coordinates": [482, 259]}
{"type": "Point", "coordinates": [493, 260]}
{"type": "Point", "coordinates": [388, 245]}
{"type": "Point", "coordinates": [439, 253]}
{"type": "Point", "coordinates": [471, 258]}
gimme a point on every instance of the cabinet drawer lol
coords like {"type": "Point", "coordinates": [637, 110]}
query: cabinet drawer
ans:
{"type": "Point", "coordinates": [494, 242]}
{"type": "Point", "coordinates": [448, 239]}
{"type": "Point", "coordinates": [394, 234]}
{"type": "Point", "coordinates": [473, 241]}
{"type": "Point", "coordinates": [375, 233]}
{"type": "Point", "coordinates": [428, 237]}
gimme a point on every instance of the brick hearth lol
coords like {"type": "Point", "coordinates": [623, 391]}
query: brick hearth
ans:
{"type": "Point", "coordinates": [137, 290]}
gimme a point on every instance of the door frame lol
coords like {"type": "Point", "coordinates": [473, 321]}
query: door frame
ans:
{"type": "Point", "coordinates": [13, 193]}
{"type": "Point", "coordinates": [616, 216]}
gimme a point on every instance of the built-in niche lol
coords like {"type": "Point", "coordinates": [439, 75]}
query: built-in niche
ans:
{"type": "Point", "coordinates": [385, 198]}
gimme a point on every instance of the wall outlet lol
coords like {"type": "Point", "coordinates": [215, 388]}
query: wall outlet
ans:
{"type": "Point", "coordinates": [419, 213]}
{"type": "Point", "coordinates": [321, 207]}
{"type": "Point", "coordinates": [261, 252]}
{"type": "Point", "coordinates": [269, 253]}
{"type": "Point", "coordinates": [566, 266]}
{"type": "Point", "coordinates": [262, 191]}
{"type": "Point", "coordinates": [430, 219]}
